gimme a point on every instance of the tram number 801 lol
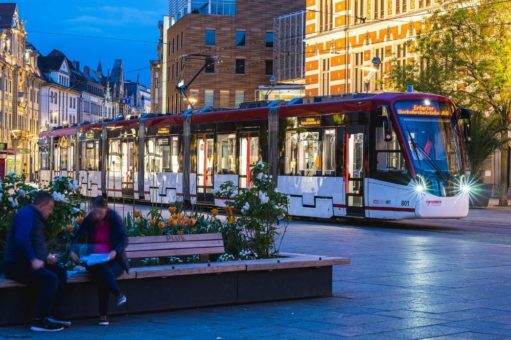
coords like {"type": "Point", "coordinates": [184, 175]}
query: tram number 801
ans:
{"type": "Point", "coordinates": [405, 203]}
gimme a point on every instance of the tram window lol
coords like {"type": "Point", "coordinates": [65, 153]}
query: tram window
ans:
{"type": "Point", "coordinates": [45, 159]}
{"type": "Point", "coordinates": [63, 159]}
{"type": "Point", "coordinates": [70, 158]}
{"type": "Point", "coordinates": [226, 151]}
{"type": "Point", "coordinates": [303, 153]}
{"type": "Point", "coordinates": [114, 156]}
{"type": "Point", "coordinates": [56, 159]}
{"type": "Point", "coordinates": [90, 156]}
{"type": "Point", "coordinates": [329, 152]}
{"type": "Point", "coordinates": [176, 155]}
{"type": "Point", "coordinates": [389, 157]}
{"type": "Point", "coordinates": [162, 155]}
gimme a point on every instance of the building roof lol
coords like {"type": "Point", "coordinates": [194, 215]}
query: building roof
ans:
{"type": "Point", "coordinates": [7, 11]}
{"type": "Point", "coordinates": [52, 62]}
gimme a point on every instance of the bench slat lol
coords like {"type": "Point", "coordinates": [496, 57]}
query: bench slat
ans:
{"type": "Point", "coordinates": [165, 271]}
{"type": "Point", "coordinates": [175, 238]}
{"type": "Point", "coordinates": [175, 252]}
{"type": "Point", "coordinates": [174, 245]}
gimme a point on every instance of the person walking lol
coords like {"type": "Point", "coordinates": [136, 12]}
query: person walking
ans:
{"type": "Point", "coordinates": [104, 233]}
{"type": "Point", "coordinates": [28, 261]}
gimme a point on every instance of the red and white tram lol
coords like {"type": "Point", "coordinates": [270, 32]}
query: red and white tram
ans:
{"type": "Point", "coordinates": [386, 156]}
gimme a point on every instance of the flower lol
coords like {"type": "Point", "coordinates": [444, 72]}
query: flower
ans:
{"type": "Point", "coordinates": [229, 211]}
{"type": "Point", "coordinates": [231, 219]}
{"type": "Point", "coordinates": [69, 228]}
{"type": "Point", "coordinates": [172, 210]}
{"type": "Point", "coordinates": [192, 222]}
{"type": "Point", "coordinates": [214, 212]}
{"type": "Point", "coordinates": [136, 213]}
{"type": "Point", "coordinates": [245, 208]}
{"type": "Point", "coordinates": [154, 221]}
{"type": "Point", "coordinates": [263, 197]}
{"type": "Point", "coordinates": [72, 185]}
{"type": "Point", "coordinates": [161, 225]}
{"type": "Point", "coordinates": [79, 220]}
{"type": "Point", "coordinates": [58, 197]}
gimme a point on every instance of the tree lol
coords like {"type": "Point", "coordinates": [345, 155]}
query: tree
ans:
{"type": "Point", "coordinates": [465, 53]}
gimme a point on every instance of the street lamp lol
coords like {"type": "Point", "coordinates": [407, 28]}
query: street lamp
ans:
{"type": "Point", "coordinates": [273, 82]}
{"type": "Point", "coordinates": [376, 62]}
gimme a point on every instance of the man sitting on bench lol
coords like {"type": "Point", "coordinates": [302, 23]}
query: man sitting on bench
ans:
{"type": "Point", "coordinates": [27, 261]}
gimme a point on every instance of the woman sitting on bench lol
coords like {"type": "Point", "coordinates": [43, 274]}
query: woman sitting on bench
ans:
{"type": "Point", "coordinates": [106, 239]}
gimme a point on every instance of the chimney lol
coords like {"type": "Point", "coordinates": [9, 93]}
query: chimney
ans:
{"type": "Point", "coordinates": [86, 70]}
{"type": "Point", "coordinates": [76, 65]}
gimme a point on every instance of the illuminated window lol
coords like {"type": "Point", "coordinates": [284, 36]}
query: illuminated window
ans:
{"type": "Point", "coordinates": [226, 154]}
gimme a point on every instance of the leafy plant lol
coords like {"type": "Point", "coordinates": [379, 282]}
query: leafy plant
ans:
{"type": "Point", "coordinates": [262, 219]}
{"type": "Point", "coordinates": [485, 139]}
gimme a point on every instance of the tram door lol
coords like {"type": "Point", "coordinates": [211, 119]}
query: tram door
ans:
{"type": "Point", "coordinates": [355, 172]}
{"type": "Point", "coordinates": [205, 168]}
{"type": "Point", "coordinates": [128, 155]}
{"type": "Point", "coordinates": [248, 156]}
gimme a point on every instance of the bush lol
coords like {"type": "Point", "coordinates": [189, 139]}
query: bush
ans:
{"type": "Point", "coordinates": [263, 216]}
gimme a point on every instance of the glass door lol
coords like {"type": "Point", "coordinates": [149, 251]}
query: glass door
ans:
{"type": "Point", "coordinates": [128, 168]}
{"type": "Point", "coordinates": [248, 157]}
{"type": "Point", "coordinates": [205, 168]}
{"type": "Point", "coordinates": [355, 172]}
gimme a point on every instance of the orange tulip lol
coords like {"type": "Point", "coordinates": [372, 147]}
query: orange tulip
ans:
{"type": "Point", "coordinates": [174, 222]}
{"type": "Point", "coordinates": [79, 220]}
{"type": "Point", "coordinates": [153, 221]}
{"type": "Point", "coordinates": [231, 219]}
{"type": "Point", "coordinates": [161, 225]}
{"type": "Point", "coordinates": [70, 228]}
{"type": "Point", "coordinates": [136, 213]}
{"type": "Point", "coordinates": [229, 211]}
{"type": "Point", "coordinates": [214, 212]}
{"type": "Point", "coordinates": [172, 210]}
{"type": "Point", "coordinates": [192, 222]}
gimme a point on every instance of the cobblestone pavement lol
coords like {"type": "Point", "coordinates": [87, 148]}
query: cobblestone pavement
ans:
{"type": "Point", "coordinates": [442, 279]}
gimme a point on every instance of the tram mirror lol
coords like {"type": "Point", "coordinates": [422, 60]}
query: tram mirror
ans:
{"type": "Point", "coordinates": [387, 129]}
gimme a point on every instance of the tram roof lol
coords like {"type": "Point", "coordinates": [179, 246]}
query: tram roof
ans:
{"type": "Point", "coordinates": [68, 131]}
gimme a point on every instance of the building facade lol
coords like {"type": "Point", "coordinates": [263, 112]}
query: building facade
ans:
{"type": "Point", "coordinates": [343, 38]}
{"type": "Point", "coordinates": [20, 86]}
{"type": "Point", "coordinates": [289, 48]}
{"type": "Point", "coordinates": [59, 99]}
{"type": "Point", "coordinates": [234, 39]}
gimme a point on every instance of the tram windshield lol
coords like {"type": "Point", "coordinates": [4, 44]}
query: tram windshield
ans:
{"type": "Point", "coordinates": [431, 137]}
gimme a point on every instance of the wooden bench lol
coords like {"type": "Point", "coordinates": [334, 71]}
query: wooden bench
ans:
{"type": "Point", "coordinates": [156, 246]}
{"type": "Point", "coordinates": [189, 285]}
{"type": "Point", "coordinates": [175, 245]}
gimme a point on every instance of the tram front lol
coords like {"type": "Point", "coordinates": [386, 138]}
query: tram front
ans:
{"type": "Point", "coordinates": [434, 147]}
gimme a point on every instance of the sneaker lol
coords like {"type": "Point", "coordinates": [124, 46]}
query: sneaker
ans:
{"type": "Point", "coordinates": [59, 322]}
{"type": "Point", "coordinates": [121, 300]}
{"type": "Point", "coordinates": [103, 323]}
{"type": "Point", "coordinates": [44, 325]}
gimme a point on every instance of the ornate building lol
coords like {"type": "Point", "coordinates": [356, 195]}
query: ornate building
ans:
{"type": "Point", "coordinates": [20, 84]}
{"type": "Point", "coordinates": [350, 43]}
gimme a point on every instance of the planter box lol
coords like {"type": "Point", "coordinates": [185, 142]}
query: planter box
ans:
{"type": "Point", "coordinates": [159, 288]}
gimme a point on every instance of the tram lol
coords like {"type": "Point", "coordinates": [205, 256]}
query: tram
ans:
{"type": "Point", "coordinates": [382, 156]}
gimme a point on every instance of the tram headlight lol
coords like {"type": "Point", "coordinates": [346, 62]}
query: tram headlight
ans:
{"type": "Point", "coordinates": [419, 188]}
{"type": "Point", "coordinates": [465, 188]}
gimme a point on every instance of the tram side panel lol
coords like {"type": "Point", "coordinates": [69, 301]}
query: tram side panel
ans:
{"type": "Point", "coordinates": [45, 178]}
{"type": "Point", "coordinates": [90, 183]}
{"type": "Point", "coordinates": [387, 200]}
{"type": "Point", "coordinates": [321, 197]}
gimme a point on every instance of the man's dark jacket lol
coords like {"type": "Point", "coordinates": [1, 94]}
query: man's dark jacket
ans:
{"type": "Point", "coordinates": [118, 237]}
{"type": "Point", "coordinates": [25, 240]}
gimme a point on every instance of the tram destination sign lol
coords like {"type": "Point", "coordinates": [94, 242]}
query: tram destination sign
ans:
{"type": "Point", "coordinates": [417, 109]}
{"type": "Point", "coordinates": [309, 121]}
